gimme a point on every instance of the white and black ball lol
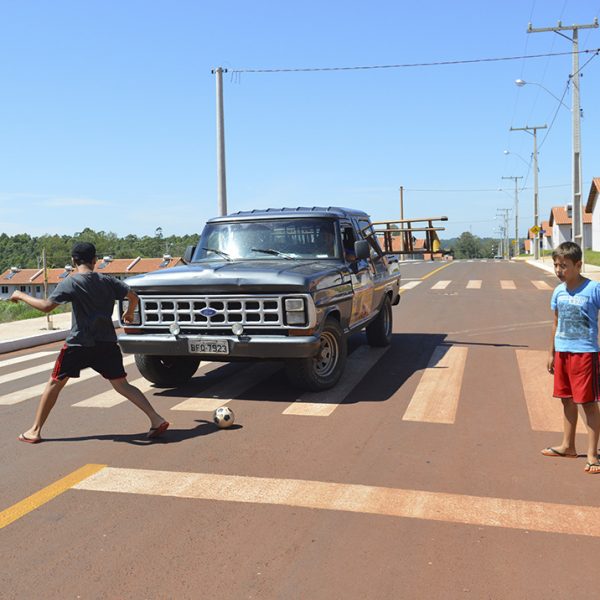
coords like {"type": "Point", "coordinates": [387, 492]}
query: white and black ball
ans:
{"type": "Point", "coordinates": [223, 417]}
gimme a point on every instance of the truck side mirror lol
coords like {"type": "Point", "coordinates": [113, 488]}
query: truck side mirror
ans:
{"type": "Point", "coordinates": [361, 249]}
{"type": "Point", "coordinates": [187, 255]}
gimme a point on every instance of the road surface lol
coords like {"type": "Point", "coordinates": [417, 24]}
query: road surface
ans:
{"type": "Point", "coordinates": [419, 476]}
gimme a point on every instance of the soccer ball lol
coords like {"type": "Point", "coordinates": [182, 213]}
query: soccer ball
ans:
{"type": "Point", "coordinates": [223, 417]}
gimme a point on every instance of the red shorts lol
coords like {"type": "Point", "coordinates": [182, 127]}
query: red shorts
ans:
{"type": "Point", "coordinates": [576, 376]}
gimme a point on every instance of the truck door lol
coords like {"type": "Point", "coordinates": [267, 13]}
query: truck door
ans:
{"type": "Point", "coordinates": [360, 274]}
{"type": "Point", "coordinates": [378, 264]}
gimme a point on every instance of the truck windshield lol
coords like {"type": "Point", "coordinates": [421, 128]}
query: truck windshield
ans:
{"type": "Point", "coordinates": [268, 239]}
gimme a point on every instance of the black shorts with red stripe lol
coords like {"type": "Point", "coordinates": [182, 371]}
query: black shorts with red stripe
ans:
{"type": "Point", "coordinates": [105, 358]}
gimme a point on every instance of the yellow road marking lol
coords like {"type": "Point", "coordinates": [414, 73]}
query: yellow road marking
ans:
{"type": "Point", "coordinates": [435, 271]}
{"type": "Point", "coordinates": [474, 284]}
{"type": "Point", "coordinates": [541, 285]}
{"type": "Point", "coordinates": [545, 412]}
{"type": "Point", "coordinates": [507, 284]}
{"type": "Point", "coordinates": [20, 509]}
{"type": "Point", "coordinates": [404, 503]}
{"type": "Point", "coordinates": [436, 398]}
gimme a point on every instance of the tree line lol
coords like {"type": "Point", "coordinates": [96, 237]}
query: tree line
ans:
{"type": "Point", "coordinates": [468, 245]}
{"type": "Point", "coordinates": [25, 251]}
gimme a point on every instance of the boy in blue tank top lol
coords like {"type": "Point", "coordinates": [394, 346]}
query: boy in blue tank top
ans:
{"type": "Point", "coordinates": [573, 357]}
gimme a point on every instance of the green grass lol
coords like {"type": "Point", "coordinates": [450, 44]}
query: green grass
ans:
{"type": "Point", "coordinates": [592, 257]}
{"type": "Point", "coordinates": [17, 312]}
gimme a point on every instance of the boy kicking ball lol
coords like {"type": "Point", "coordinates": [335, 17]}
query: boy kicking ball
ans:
{"type": "Point", "coordinates": [574, 355]}
{"type": "Point", "coordinates": [92, 341]}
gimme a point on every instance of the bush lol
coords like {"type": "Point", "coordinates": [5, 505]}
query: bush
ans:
{"type": "Point", "coordinates": [17, 312]}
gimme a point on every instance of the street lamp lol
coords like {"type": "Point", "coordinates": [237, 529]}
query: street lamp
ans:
{"type": "Point", "coordinates": [521, 83]}
{"type": "Point", "coordinates": [507, 152]}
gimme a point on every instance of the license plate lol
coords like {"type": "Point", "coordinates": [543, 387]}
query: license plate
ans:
{"type": "Point", "coordinates": [208, 347]}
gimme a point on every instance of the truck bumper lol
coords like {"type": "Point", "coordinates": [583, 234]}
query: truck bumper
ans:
{"type": "Point", "coordinates": [264, 346]}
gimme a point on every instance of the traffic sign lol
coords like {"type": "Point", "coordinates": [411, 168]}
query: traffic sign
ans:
{"type": "Point", "coordinates": [535, 229]}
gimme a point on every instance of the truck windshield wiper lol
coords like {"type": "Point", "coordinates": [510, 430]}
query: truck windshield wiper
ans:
{"type": "Point", "coordinates": [219, 252]}
{"type": "Point", "coordinates": [271, 251]}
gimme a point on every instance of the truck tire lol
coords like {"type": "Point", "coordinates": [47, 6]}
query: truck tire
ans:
{"type": "Point", "coordinates": [379, 331]}
{"type": "Point", "coordinates": [324, 370]}
{"type": "Point", "coordinates": [167, 371]}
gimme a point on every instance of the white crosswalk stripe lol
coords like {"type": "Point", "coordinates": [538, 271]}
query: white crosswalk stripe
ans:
{"type": "Point", "coordinates": [222, 392]}
{"type": "Point", "coordinates": [112, 398]}
{"type": "Point", "coordinates": [410, 285]}
{"type": "Point", "coordinates": [35, 391]}
{"type": "Point", "coordinates": [507, 284]}
{"type": "Point", "coordinates": [43, 368]}
{"type": "Point", "coordinates": [21, 359]}
{"type": "Point", "coordinates": [322, 404]}
{"type": "Point", "coordinates": [541, 285]}
{"type": "Point", "coordinates": [474, 284]}
{"type": "Point", "coordinates": [441, 285]}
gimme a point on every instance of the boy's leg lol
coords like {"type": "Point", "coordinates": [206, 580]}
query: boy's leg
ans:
{"type": "Point", "coordinates": [134, 395]}
{"type": "Point", "coordinates": [567, 446]}
{"type": "Point", "coordinates": [47, 402]}
{"type": "Point", "coordinates": [592, 423]}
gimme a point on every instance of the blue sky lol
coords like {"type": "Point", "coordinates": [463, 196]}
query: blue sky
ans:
{"type": "Point", "coordinates": [107, 111]}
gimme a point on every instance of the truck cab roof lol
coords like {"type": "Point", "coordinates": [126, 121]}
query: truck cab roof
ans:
{"type": "Point", "coordinates": [331, 212]}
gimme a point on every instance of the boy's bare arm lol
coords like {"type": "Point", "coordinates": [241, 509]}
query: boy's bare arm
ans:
{"type": "Point", "coordinates": [551, 353]}
{"type": "Point", "coordinates": [133, 299]}
{"type": "Point", "coordinates": [40, 304]}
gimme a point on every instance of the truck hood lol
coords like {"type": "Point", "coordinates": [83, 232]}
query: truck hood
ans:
{"type": "Point", "coordinates": [242, 276]}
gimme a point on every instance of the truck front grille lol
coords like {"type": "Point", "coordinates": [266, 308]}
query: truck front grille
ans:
{"type": "Point", "coordinates": [212, 311]}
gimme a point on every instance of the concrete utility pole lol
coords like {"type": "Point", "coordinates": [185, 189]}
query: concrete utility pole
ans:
{"type": "Point", "coordinates": [503, 212]}
{"type": "Point", "coordinates": [221, 175]}
{"type": "Point", "coordinates": [576, 119]}
{"type": "Point", "coordinates": [402, 216]}
{"type": "Point", "coordinates": [536, 251]}
{"type": "Point", "coordinates": [516, 249]}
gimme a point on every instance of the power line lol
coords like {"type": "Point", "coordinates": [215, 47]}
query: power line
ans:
{"type": "Point", "coordinates": [409, 65]}
{"type": "Point", "coordinates": [480, 190]}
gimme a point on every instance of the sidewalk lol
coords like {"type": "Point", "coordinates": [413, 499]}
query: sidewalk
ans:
{"type": "Point", "coordinates": [545, 263]}
{"type": "Point", "coordinates": [34, 332]}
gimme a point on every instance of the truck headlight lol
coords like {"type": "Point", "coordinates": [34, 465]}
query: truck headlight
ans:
{"type": "Point", "coordinates": [295, 311]}
{"type": "Point", "coordinates": [137, 316]}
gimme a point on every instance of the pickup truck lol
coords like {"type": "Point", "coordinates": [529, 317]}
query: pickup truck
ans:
{"type": "Point", "coordinates": [286, 284]}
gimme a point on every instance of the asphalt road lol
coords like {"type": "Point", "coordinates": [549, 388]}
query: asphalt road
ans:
{"type": "Point", "coordinates": [420, 478]}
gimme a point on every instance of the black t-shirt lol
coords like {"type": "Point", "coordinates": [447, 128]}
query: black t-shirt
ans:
{"type": "Point", "coordinates": [93, 298]}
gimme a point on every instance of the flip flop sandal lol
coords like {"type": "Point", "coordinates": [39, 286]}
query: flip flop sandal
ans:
{"type": "Point", "coordinates": [157, 431]}
{"type": "Point", "coordinates": [23, 438]}
{"type": "Point", "coordinates": [588, 468]}
{"type": "Point", "coordinates": [554, 453]}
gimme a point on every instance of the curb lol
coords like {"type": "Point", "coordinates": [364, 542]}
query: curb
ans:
{"type": "Point", "coordinates": [34, 340]}
{"type": "Point", "coordinates": [37, 340]}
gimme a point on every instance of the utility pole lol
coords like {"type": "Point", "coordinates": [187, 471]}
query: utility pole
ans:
{"type": "Point", "coordinates": [221, 175]}
{"type": "Point", "coordinates": [402, 217]}
{"type": "Point", "coordinates": [536, 250]}
{"type": "Point", "coordinates": [505, 249]}
{"type": "Point", "coordinates": [576, 120]}
{"type": "Point", "coordinates": [516, 249]}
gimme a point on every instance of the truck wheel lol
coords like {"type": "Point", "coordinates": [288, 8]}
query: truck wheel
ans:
{"type": "Point", "coordinates": [379, 331]}
{"type": "Point", "coordinates": [167, 371]}
{"type": "Point", "coordinates": [323, 371]}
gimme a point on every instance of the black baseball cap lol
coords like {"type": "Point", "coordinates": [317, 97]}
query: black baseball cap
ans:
{"type": "Point", "coordinates": [84, 252]}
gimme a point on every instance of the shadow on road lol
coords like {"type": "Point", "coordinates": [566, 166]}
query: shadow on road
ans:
{"type": "Point", "coordinates": [139, 439]}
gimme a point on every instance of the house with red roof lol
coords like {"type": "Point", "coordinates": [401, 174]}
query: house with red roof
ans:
{"type": "Point", "coordinates": [31, 281]}
{"type": "Point", "coordinates": [561, 225]}
{"type": "Point", "coordinates": [591, 205]}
